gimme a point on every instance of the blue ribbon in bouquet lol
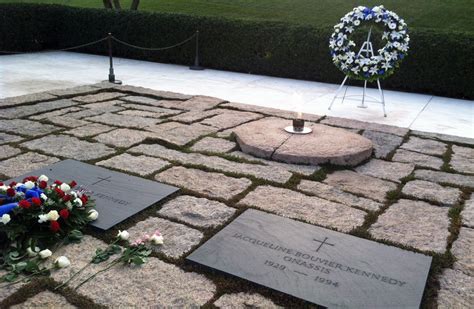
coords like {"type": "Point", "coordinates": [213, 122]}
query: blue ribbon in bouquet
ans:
{"type": "Point", "coordinates": [29, 194]}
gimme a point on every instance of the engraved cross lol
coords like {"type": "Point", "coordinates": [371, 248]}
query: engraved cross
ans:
{"type": "Point", "coordinates": [323, 242]}
{"type": "Point", "coordinates": [102, 179]}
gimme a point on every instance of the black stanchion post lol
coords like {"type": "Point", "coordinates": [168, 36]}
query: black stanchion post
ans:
{"type": "Point", "coordinates": [111, 68]}
{"type": "Point", "coordinates": [196, 65]}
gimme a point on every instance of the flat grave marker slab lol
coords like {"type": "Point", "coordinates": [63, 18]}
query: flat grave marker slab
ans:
{"type": "Point", "coordinates": [118, 196]}
{"type": "Point", "coordinates": [318, 265]}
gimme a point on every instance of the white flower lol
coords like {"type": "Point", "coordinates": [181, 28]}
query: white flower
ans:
{"type": "Point", "coordinates": [373, 70]}
{"type": "Point", "coordinates": [386, 66]}
{"type": "Point", "coordinates": [65, 187]}
{"type": "Point", "coordinates": [43, 178]}
{"type": "Point", "coordinates": [356, 22]}
{"type": "Point", "coordinates": [78, 202]}
{"type": "Point", "coordinates": [32, 253]}
{"type": "Point", "coordinates": [44, 197]}
{"type": "Point", "coordinates": [396, 44]}
{"type": "Point", "coordinates": [53, 215]}
{"type": "Point", "coordinates": [156, 239]}
{"type": "Point", "coordinates": [62, 262]}
{"type": "Point", "coordinates": [392, 26]}
{"type": "Point", "coordinates": [5, 219]}
{"type": "Point", "coordinates": [123, 235]}
{"type": "Point", "coordinates": [46, 253]}
{"type": "Point", "coordinates": [349, 29]}
{"type": "Point", "coordinates": [29, 185]}
{"type": "Point", "coordinates": [43, 218]}
{"type": "Point", "coordinates": [93, 215]}
{"type": "Point", "coordinates": [68, 205]}
{"type": "Point", "coordinates": [365, 69]}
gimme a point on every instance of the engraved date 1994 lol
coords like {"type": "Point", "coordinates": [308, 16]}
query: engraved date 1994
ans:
{"type": "Point", "coordinates": [275, 265]}
{"type": "Point", "coordinates": [326, 281]}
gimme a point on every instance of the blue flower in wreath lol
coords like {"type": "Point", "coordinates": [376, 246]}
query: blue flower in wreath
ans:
{"type": "Point", "coordinates": [35, 192]}
{"type": "Point", "coordinates": [4, 209]}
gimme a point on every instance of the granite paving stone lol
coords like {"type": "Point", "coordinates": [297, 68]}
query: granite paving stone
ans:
{"type": "Point", "coordinates": [142, 284]}
{"type": "Point", "coordinates": [462, 159]}
{"type": "Point", "coordinates": [27, 127]}
{"type": "Point", "coordinates": [9, 290]}
{"type": "Point", "coordinates": [244, 301]}
{"type": "Point", "coordinates": [419, 159]}
{"type": "Point", "coordinates": [55, 113]}
{"type": "Point", "coordinates": [270, 173]}
{"type": "Point", "coordinates": [199, 212]}
{"type": "Point", "coordinates": [178, 133]}
{"type": "Point", "coordinates": [141, 165]}
{"type": "Point", "coordinates": [384, 143]}
{"type": "Point", "coordinates": [141, 100]}
{"type": "Point", "coordinates": [270, 111]}
{"type": "Point", "coordinates": [306, 170]}
{"type": "Point", "coordinates": [69, 147]}
{"type": "Point", "coordinates": [445, 137]}
{"type": "Point", "coordinates": [87, 112]}
{"type": "Point", "coordinates": [178, 238]}
{"type": "Point", "coordinates": [393, 171]}
{"type": "Point", "coordinates": [156, 110]}
{"type": "Point", "coordinates": [426, 146]}
{"type": "Point", "coordinates": [9, 138]}
{"type": "Point", "coordinates": [425, 190]}
{"type": "Point", "coordinates": [140, 113]}
{"type": "Point", "coordinates": [8, 151]}
{"type": "Point", "coordinates": [335, 194]}
{"type": "Point", "coordinates": [26, 99]}
{"type": "Point", "coordinates": [468, 212]}
{"type": "Point", "coordinates": [89, 130]}
{"type": "Point", "coordinates": [456, 290]}
{"type": "Point", "coordinates": [122, 137]}
{"type": "Point", "coordinates": [212, 144]}
{"type": "Point", "coordinates": [106, 106]}
{"type": "Point", "coordinates": [151, 92]}
{"type": "Point", "coordinates": [195, 103]}
{"type": "Point", "coordinates": [448, 178]}
{"type": "Point", "coordinates": [359, 184]}
{"type": "Point", "coordinates": [312, 209]}
{"type": "Point", "coordinates": [67, 121]}
{"type": "Point", "coordinates": [356, 124]}
{"type": "Point", "coordinates": [45, 299]}
{"type": "Point", "coordinates": [214, 185]}
{"type": "Point", "coordinates": [23, 111]}
{"type": "Point", "coordinates": [102, 96]}
{"type": "Point", "coordinates": [75, 91]}
{"type": "Point", "coordinates": [414, 223]}
{"type": "Point", "coordinates": [230, 119]}
{"type": "Point", "coordinates": [463, 250]}
{"type": "Point", "coordinates": [124, 120]}
{"type": "Point", "coordinates": [24, 163]}
{"type": "Point", "coordinates": [193, 116]}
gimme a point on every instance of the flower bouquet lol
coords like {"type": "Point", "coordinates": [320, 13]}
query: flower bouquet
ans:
{"type": "Point", "coordinates": [35, 219]}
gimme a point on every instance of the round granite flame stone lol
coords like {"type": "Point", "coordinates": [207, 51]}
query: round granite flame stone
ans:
{"type": "Point", "coordinates": [267, 138]}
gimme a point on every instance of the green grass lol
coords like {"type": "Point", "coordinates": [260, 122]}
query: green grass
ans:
{"type": "Point", "coordinates": [431, 14]}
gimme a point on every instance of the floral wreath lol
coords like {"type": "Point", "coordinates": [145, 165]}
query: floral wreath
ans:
{"type": "Point", "coordinates": [378, 66]}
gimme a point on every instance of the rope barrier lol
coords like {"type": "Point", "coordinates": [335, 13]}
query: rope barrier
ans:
{"type": "Point", "coordinates": [153, 49]}
{"type": "Point", "coordinates": [52, 50]}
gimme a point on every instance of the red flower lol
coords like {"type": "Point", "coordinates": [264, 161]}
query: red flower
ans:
{"type": "Point", "coordinates": [43, 184]}
{"type": "Point", "coordinates": [66, 198]}
{"type": "Point", "coordinates": [30, 178]}
{"type": "Point", "coordinates": [11, 192]}
{"type": "Point", "coordinates": [59, 192]}
{"type": "Point", "coordinates": [54, 226]}
{"type": "Point", "coordinates": [73, 184]}
{"type": "Point", "coordinates": [57, 182]}
{"type": "Point", "coordinates": [64, 213]}
{"type": "Point", "coordinates": [13, 183]}
{"type": "Point", "coordinates": [36, 201]}
{"type": "Point", "coordinates": [1, 183]}
{"type": "Point", "coordinates": [84, 199]}
{"type": "Point", "coordinates": [24, 204]}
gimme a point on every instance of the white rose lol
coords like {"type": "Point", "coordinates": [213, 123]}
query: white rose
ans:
{"type": "Point", "coordinates": [43, 218]}
{"type": "Point", "coordinates": [53, 215]}
{"type": "Point", "coordinates": [124, 235]}
{"type": "Point", "coordinates": [156, 239]}
{"type": "Point", "coordinates": [5, 219]}
{"type": "Point", "coordinates": [93, 215]}
{"type": "Point", "coordinates": [78, 202]}
{"type": "Point", "coordinates": [392, 26]}
{"type": "Point", "coordinates": [62, 262]}
{"type": "Point", "coordinates": [65, 187]}
{"type": "Point", "coordinates": [29, 185]}
{"type": "Point", "coordinates": [32, 253]}
{"type": "Point", "coordinates": [69, 205]}
{"type": "Point", "coordinates": [43, 178]}
{"type": "Point", "coordinates": [46, 253]}
{"type": "Point", "coordinates": [356, 22]}
{"type": "Point", "coordinates": [44, 197]}
{"type": "Point", "coordinates": [365, 69]}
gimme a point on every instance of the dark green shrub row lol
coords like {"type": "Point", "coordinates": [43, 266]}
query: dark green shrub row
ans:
{"type": "Point", "coordinates": [439, 62]}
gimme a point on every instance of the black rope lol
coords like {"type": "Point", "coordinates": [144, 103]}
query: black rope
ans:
{"type": "Point", "coordinates": [52, 50]}
{"type": "Point", "coordinates": [153, 49]}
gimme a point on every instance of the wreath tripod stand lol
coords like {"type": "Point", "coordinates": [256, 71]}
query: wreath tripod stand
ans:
{"type": "Point", "coordinates": [366, 48]}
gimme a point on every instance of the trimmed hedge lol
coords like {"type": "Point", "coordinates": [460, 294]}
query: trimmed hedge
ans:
{"type": "Point", "coordinates": [438, 62]}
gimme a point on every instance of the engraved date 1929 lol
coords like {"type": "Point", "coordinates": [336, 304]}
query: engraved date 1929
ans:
{"type": "Point", "coordinates": [326, 281]}
{"type": "Point", "coordinates": [275, 265]}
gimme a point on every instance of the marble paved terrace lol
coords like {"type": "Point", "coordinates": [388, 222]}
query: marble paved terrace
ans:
{"type": "Point", "coordinates": [415, 192]}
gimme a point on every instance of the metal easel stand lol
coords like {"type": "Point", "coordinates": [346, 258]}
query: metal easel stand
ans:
{"type": "Point", "coordinates": [369, 52]}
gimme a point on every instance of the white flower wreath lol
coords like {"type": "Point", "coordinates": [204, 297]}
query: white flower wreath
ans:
{"type": "Point", "coordinates": [380, 65]}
